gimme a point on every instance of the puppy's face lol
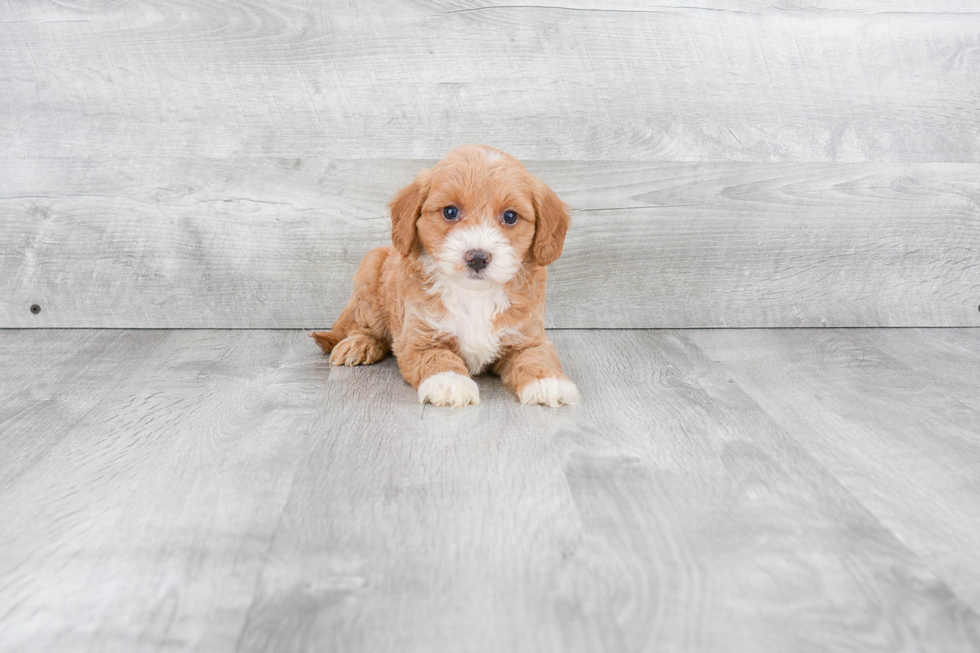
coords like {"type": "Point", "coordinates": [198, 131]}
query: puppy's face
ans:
{"type": "Point", "coordinates": [478, 216]}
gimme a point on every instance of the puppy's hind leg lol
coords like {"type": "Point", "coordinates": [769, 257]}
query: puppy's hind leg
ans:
{"type": "Point", "coordinates": [359, 336]}
{"type": "Point", "coordinates": [348, 345]}
{"type": "Point", "coordinates": [329, 339]}
{"type": "Point", "coordinates": [359, 349]}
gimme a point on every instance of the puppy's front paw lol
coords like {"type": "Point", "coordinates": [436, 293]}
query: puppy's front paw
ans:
{"type": "Point", "coordinates": [449, 389]}
{"type": "Point", "coordinates": [553, 392]}
{"type": "Point", "coordinates": [358, 349]}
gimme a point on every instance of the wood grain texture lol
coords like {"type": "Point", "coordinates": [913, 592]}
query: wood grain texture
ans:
{"type": "Point", "coordinates": [892, 414]}
{"type": "Point", "coordinates": [704, 81]}
{"type": "Point", "coordinates": [274, 243]}
{"type": "Point", "coordinates": [230, 491]}
{"type": "Point", "coordinates": [143, 522]}
{"type": "Point", "coordinates": [419, 529]}
{"type": "Point", "coordinates": [741, 514]}
{"type": "Point", "coordinates": [733, 163]}
{"type": "Point", "coordinates": [53, 384]}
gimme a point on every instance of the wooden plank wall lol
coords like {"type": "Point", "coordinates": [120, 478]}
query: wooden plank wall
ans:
{"type": "Point", "coordinates": [730, 163]}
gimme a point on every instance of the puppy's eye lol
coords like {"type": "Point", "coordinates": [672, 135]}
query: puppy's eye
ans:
{"type": "Point", "coordinates": [510, 217]}
{"type": "Point", "coordinates": [450, 213]}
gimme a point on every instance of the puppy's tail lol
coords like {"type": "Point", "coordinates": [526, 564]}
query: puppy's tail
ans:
{"type": "Point", "coordinates": [329, 339]}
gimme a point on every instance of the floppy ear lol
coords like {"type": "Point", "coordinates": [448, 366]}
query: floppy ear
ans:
{"type": "Point", "coordinates": [406, 208]}
{"type": "Point", "coordinates": [551, 223]}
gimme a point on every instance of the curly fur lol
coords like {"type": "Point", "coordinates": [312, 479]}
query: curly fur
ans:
{"type": "Point", "coordinates": [442, 320]}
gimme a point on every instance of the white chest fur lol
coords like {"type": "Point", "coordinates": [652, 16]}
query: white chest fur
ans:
{"type": "Point", "coordinates": [469, 318]}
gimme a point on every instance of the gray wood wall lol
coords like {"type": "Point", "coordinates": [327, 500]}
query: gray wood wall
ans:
{"type": "Point", "coordinates": [732, 163]}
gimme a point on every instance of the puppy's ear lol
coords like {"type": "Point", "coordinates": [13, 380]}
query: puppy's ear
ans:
{"type": "Point", "coordinates": [406, 208]}
{"type": "Point", "coordinates": [551, 224]}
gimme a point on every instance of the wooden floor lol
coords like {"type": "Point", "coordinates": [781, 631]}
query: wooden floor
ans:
{"type": "Point", "coordinates": [761, 490]}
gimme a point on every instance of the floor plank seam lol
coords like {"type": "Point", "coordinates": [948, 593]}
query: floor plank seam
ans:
{"type": "Point", "coordinates": [259, 577]}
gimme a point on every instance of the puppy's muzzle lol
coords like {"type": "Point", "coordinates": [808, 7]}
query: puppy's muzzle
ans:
{"type": "Point", "coordinates": [477, 259]}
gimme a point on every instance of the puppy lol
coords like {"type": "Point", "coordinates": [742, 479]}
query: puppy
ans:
{"type": "Point", "coordinates": [462, 289]}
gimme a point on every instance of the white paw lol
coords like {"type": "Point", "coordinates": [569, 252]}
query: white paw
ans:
{"type": "Point", "coordinates": [449, 389]}
{"type": "Point", "coordinates": [550, 392]}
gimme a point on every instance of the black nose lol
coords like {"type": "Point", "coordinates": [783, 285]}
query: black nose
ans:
{"type": "Point", "coordinates": [477, 259]}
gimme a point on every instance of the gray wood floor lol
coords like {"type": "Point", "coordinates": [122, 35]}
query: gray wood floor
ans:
{"type": "Point", "coordinates": [762, 490]}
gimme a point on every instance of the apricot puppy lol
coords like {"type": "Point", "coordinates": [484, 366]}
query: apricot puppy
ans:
{"type": "Point", "coordinates": [462, 289]}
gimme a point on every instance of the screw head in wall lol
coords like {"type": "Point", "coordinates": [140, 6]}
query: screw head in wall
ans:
{"type": "Point", "coordinates": [35, 308]}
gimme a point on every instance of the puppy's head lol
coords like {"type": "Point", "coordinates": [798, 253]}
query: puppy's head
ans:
{"type": "Point", "coordinates": [478, 216]}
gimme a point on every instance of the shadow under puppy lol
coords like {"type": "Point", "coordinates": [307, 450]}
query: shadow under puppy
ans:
{"type": "Point", "coordinates": [462, 291]}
